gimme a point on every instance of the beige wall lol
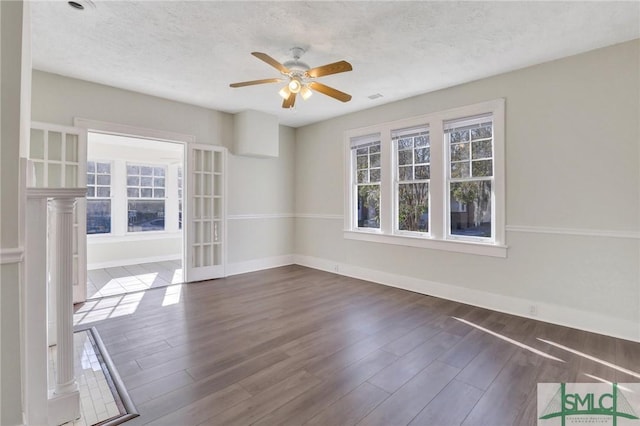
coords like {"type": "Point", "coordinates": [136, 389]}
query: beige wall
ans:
{"type": "Point", "coordinates": [255, 186]}
{"type": "Point", "coordinates": [11, 15]}
{"type": "Point", "coordinates": [572, 160]}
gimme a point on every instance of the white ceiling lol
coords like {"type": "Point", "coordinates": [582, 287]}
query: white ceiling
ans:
{"type": "Point", "coordinates": [191, 51]}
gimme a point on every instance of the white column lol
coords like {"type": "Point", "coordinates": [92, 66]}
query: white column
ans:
{"type": "Point", "coordinates": [62, 263]}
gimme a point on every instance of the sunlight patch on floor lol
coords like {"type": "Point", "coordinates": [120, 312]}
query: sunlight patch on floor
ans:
{"type": "Point", "coordinates": [512, 341]}
{"type": "Point", "coordinates": [592, 358]}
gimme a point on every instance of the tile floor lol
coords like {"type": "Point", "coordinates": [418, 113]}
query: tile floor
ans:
{"type": "Point", "coordinates": [132, 278]}
{"type": "Point", "coordinates": [97, 402]}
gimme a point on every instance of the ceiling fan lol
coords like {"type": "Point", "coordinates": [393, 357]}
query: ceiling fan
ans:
{"type": "Point", "coordinates": [300, 78]}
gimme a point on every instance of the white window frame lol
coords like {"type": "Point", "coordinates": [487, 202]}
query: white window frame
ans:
{"type": "Point", "coordinates": [397, 182]}
{"type": "Point", "coordinates": [369, 139]}
{"type": "Point", "coordinates": [438, 237]}
{"type": "Point", "coordinates": [139, 187]}
{"type": "Point", "coordinates": [95, 186]}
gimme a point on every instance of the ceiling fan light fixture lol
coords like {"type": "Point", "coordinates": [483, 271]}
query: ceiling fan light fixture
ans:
{"type": "Point", "coordinates": [284, 92]}
{"type": "Point", "coordinates": [295, 85]}
{"type": "Point", "coordinates": [305, 92]}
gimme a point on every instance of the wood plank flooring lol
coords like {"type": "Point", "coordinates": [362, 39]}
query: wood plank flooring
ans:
{"type": "Point", "coordinates": [297, 346]}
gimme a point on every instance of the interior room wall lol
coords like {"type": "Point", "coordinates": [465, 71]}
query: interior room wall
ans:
{"type": "Point", "coordinates": [573, 215]}
{"type": "Point", "coordinates": [12, 87]}
{"type": "Point", "coordinates": [258, 189]}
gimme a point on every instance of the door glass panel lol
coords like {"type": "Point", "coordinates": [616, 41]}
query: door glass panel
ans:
{"type": "Point", "coordinates": [55, 146]}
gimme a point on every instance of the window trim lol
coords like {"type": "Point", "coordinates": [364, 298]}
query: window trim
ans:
{"type": "Point", "coordinates": [96, 198]}
{"type": "Point", "coordinates": [438, 237]}
{"type": "Point", "coordinates": [139, 187]}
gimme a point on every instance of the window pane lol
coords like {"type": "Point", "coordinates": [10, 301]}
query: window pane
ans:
{"type": "Point", "coordinates": [482, 149]}
{"type": "Point", "coordinates": [413, 207]}
{"type": "Point", "coordinates": [369, 206]}
{"type": "Point", "coordinates": [158, 171]}
{"type": "Point", "coordinates": [460, 170]}
{"type": "Point", "coordinates": [374, 175]}
{"type": "Point", "coordinates": [405, 157]}
{"type": "Point", "coordinates": [98, 216]}
{"type": "Point", "coordinates": [158, 182]}
{"type": "Point", "coordinates": [460, 136]}
{"type": "Point", "coordinates": [405, 143]}
{"type": "Point", "coordinates": [363, 162]}
{"type": "Point", "coordinates": [374, 148]}
{"type": "Point", "coordinates": [158, 193]}
{"type": "Point", "coordinates": [103, 191]}
{"type": "Point", "coordinates": [362, 151]}
{"type": "Point", "coordinates": [104, 168]}
{"type": "Point", "coordinates": [133, 181]}
{"type": "Point", "coordinates": [146, 215]}
{"type": "Point", "coordinates": [405, 173]}
{"type": "Point", "coordinates": [146, 181]}
{"type": "Point", "coordinates": [104, 179]}
{"type": "Point", "coordinates": [146, 192]}
{"type": "Point", "coordinates": [471, 208]}
{"type": "Point", "coordinates": [482, 132]}
{"type": "Point", "coordinates": [133, 170]}
{"type": "Point", "coordinates": [91, 166]}
{"type": "Point", "coordinates": [422, 155]}
{"type": "Point", "coordinates": [422, 172]}
{"type": "Point", "coordinates": [133, 193]}
{"type": "Point", "coordinates": [91, 179]}
{"type": "Point", "coordinates": [482, 168]}
{"type": "Point", "coordinates": [146, 171]}
{"type": "Point", "coordinates": [363, 176]}
{"type": "Point", "coordinates": [459, 151]}
{"type": "Point", "coordinates": [91, 191]}
{"type": "Point", "coordinates": [421, 141]}
{"type": "Point", "coordinates": [375, 160]}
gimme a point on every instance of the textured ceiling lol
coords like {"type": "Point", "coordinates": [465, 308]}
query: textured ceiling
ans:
{"type": "Point", "coordinates": [191, 51]}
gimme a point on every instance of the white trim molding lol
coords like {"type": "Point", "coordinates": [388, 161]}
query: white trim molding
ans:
{"type": "Point", "coordinates": [468, 247]}
{"type": "Point", "coordinates": [133, 261]}
{"type": "Point", "coordinates": [320, 216]}
{"type": "Point", "coordinates": [126, 130]}
{"type": "Point", "coordinates": [555, 314]}
{"type": "Point", "coordinates": [253, 265]}
{"type": "Point", "coordinates": [261, 216]}
{"type": "Point", "coordinates": [606, 233]}
{"type": "Point", "coordinates": [11, 255]}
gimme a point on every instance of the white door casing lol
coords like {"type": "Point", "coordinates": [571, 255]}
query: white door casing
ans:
{"type": "Point", "coordinates": [58, 159]}
{"type": "Point", "coordinates": [205, 209]}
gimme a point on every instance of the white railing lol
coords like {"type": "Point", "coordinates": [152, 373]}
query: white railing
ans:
{"type": "Point", "coordinates": [45, 245]}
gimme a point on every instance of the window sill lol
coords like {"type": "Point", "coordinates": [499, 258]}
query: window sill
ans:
{"type": "Point", "coordinates": [131, 236]}
{"type": "Point", "coordinates": [469, 247]}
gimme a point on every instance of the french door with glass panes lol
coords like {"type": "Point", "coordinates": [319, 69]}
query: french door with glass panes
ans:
{"type": "Point", "coordinates": [58, 159]}
{"type": "Point", "coordinates": [205, 242]}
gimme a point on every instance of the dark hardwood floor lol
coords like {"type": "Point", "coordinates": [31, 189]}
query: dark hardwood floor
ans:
{"type": "Point", "coordinates": [297, 346]}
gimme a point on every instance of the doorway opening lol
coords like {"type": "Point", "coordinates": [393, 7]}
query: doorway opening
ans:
{"type": "Point", "coordinates": [134, 214]}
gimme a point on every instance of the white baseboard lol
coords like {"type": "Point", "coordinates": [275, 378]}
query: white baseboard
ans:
{"type": "Point", "coordinates": [554, 314]}
{"type": "Point", "coordinates": [258, 264]}
{"type": "Point", "coordinates": [133, 261]}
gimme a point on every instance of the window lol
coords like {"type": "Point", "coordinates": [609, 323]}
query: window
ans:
{"type": "Point", "coordinates": [145, 193]}
{"type": "Point", "coordinates": [98, 197]}
{"type": "Point", "coordinates": [413, 154]}
{"type": "Point", "coordinates": [435, 181]}
{"type": "Point", "coordinates": [366, 156]}
{"type": "Point", "coordinates": [470, 176]}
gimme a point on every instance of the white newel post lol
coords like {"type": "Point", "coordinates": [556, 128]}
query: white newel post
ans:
{"type": "Point", "coordinates": [59, 402]}
{"type": "Point", "coordinates": [62, 209]}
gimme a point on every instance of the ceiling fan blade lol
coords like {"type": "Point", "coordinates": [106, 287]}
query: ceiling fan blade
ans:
{"type": "Point", "coordinates": [329, 69]}
{"type": "Point", "coordinates": [290, 101]}
{"type": "Point", "coordinates": [330, 91]}
{"type": "Point", "coordinates": [268, 59]}
{"type": "Point", "coordinates": [251, 83]}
